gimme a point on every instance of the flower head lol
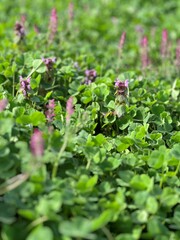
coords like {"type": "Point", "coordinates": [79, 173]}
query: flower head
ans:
{"type": "Point", "coordinates": [50, 110]}
{"type": "Point", "coordinates": [69, 109]}
{"type": "Point", "coordinates": [37, 143]}
{"type": "Point", "coordinates": [90, 76]}
{"type": "Point", "coordinates": [19, 30]}
{"type": "Point", "coordinates": [121, 87]}
{"type": "Point", "coordinates": [25, 85]}
{"type": "Point", "coordinates": [3, 104]}
{"type": "Point", "coordinates": [49, 63]}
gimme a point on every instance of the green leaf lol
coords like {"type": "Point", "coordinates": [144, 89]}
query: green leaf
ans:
{"type": "Point", "coordinates": [37, 63]}
{"type": "Point", "coordinates": [141, 182]}
{"type": "Point", "coordinates": [156, 227]}
{"type": "Point", "coordinates": [40, 233]}
{"type": "Point", "coordinates": [78, 227]}
{"type": "Point", "coordinates": [151, 205]}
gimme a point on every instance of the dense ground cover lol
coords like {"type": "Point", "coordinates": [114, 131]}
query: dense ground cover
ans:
{"type": "Point", "coordinates": [89, 120]}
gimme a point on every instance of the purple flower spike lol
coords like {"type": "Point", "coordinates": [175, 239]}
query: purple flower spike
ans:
{"type": "Point", "coordinates": [53, 24]}
{"type": "Point", "coordinates": [144, 52]}
{"type": "Point", "coordinates": [19, 30]}
{"type": "Point", "coordinates": [49, 63]}
{"type": "Point", "coordinates": [121, 87]}
{"type": "Point", "coordinates": [121, 42]}
{"type": "Point", "coordinates": [25, 85]}
{"type": "Point", "coordinates": [90, 76]}
{"type": "Point", "coordinates": [3, 104]}
{"type": "Point", "coordinates": [50, 111]}
{"type": "Point", "coordinates": [69, 109]}
{"type": "Point", "coordinates": [37, 143]}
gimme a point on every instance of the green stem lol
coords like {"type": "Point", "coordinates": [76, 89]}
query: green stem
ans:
{"type": "Point", "coordinates": [62, 149]}
{"type": "Point", "coordinates": [34, 69]}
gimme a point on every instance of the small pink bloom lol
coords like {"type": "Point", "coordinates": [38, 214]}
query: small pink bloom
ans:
{"type": "Point", "coordinates": [121, 87]}
{"type": "Point", "coordinates": [19, 30]}
{"type": "Point", "coordinates": [49, 63]}
{"type": "Point", "coordinates": [50, 111]}
{"type": "Point", "coordinates": [69, 109]}
{"type": "Point", "coordinates": [25, 85]}
{"type": "Point", "coordinates": [90, 76]}
{"type": "Point", "coordinates": [37, 143]}
{"type": "Point", "coordinates": [3, 104]}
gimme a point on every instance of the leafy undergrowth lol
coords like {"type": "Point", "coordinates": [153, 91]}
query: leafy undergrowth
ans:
{"type": "Point", "coordinates": [89, 129]}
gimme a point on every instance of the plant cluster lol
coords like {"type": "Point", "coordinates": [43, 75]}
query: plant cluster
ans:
{"type": "Point", "coordinates": [89, 122]}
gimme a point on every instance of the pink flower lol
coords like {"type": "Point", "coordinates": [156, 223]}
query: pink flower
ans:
{"type": "Point", "coordinates": [3, 104]}
{"type": "Point", "coordinates": [53, 24]}
{"type": "Point", "coordinates": [69, 109]}
{"type": "Point", "coordinates": [50, 111]}
{"type": "Point", "coordinates": [144, 52]}
{"type": "Point", "coordinates": [121, 86]}
{"type": "Point", "coordinates": [37, 143]}
{"type": "Point", "coordinates": [90, 76]}
{"type": "Point", "coordinates": [19, 30]}
{"type": "Point", "coordinates": [25, 85]}
{"type": "Point", "coordinates": [164, 43]}
{"type": "Point", "coordinates": [49, 63]}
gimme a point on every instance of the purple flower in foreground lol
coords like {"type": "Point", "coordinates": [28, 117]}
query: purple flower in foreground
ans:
{"type": "Point", "coordinates": [25, 85]}
{"type": "Point", "coordinates": [121, 87]}
{"type": "Point", "coordinates": [49, 63]}
{"type": "Point", "coordinates": [3, 104]}
{"type": "Point", "coordinates": [50, 110]}
{"type": "Point", "coordinates": [53, 24]}
{"type": "Point", "coordinates": [19, 30]}
{"type": "Point", "coordinates": [90, 76]}
{"type": "Point", "coordinates": [37, 143]}
{"type": "Point", "coordinates": [69, 109]}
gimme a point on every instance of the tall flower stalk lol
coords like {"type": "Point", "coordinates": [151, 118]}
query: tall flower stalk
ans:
{"type": "Point", "coordinates": [164, 44]}
{"type": "Point", "coordinates": [121, 43]}
{"type": "Point", "coordinates": [25, 85]}
{"type": "Point", "coordinates": [53, 25]}
{"type": "Point", "coordinates": [145, 61]}
{"type": "Point", "coordinates": [50, 111]}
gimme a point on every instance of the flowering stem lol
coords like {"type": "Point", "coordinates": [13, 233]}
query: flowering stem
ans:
{"type": "Point", "coordinates": [55, 166]}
